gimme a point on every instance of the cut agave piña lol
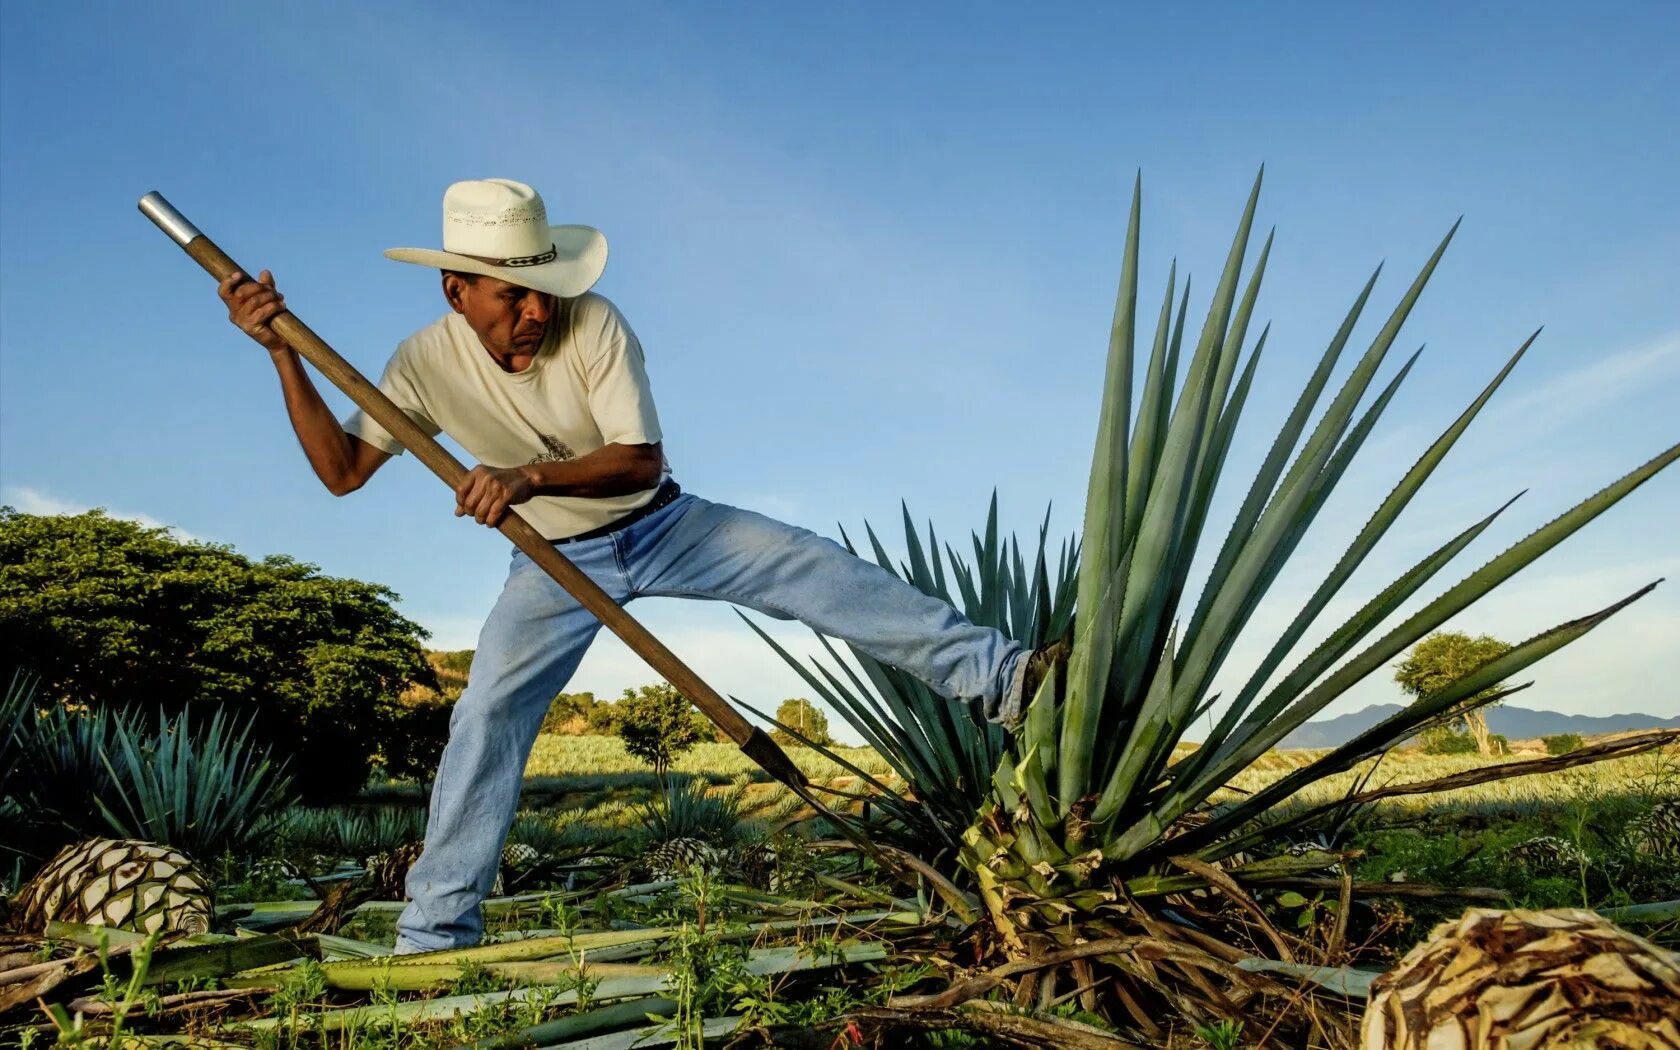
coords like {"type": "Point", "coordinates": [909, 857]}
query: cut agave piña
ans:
{"type": "Point", "coordinates": [1501, 979]}
{"type": "Point", "coordinates": [126, 884]}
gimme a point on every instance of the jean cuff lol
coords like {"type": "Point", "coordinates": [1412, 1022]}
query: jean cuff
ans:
{"type": "Point", "coordinates": [1010, 701]}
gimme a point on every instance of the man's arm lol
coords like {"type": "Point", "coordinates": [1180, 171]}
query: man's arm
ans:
{"type": "Point", "coordinates": [611, 470]}
{"type": "Point", "coordinates": [342, 461]}
{"type": "Point", "coordinates": [486, 493]}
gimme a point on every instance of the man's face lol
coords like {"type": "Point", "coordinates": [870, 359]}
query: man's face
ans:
{"type": "Point", "coordinates": [507, 318]}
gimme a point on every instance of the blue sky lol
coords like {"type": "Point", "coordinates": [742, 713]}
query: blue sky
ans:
{"type": "Point", "coordinates": [870, 251]}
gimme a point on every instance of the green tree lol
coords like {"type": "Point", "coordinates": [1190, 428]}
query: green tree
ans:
{"type": "Point", "coordinates": [657, 724]}
{"type": "Point", "coordinates": [570, 713]}
{"type": "Point", "coordinates": [603, 719]}
{"type": "Point", "coordinates": [451, 667]}
{"type": "Point", "coordinates": [1441, 659]}
{"type": "Point", "coordinates": [110, 613]}
{"type": "Point", "coordinates": [804, 717]}
{"type": "Point", "coordinates": [1446, 740]}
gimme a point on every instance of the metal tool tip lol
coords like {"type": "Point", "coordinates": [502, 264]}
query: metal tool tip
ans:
{"type": "Point", "coordinates": [170, 221]}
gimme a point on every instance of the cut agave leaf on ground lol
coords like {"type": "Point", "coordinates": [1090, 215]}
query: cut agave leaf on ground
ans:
{"type": "Point", "coordinates": [651, 1036]}
{"type": "Point", "coordinates": [220, 960]}
{"type": "Point", "coordinates": [634, 1012]}
{"type": "Point", "coordinates": [1343, 980]}
{"type": "Point", "coordinates": [572, 945]}
{"type": "Point", "coordinates": [760, 962]}
{"type": "Point", "coordinates": [346, 948]}
{"type": "Point", "coordinates": [359, 975]}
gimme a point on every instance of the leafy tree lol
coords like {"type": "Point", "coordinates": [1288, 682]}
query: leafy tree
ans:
{"type": "Point", "coordinates": [803, 716]}
{"type": "Point", "coordinates": [1562, 743]}
{"type": "Point", "coordinates": [571, 714]}
{"type": "Point", "coordinates": [657, 724]}
{"type": "Point", "coordinates": [412, 745]}
{"type": "Point", "coordinates": [451, 667]}
{"type": "Point", "coordinates": [1446, 740]}
{"type": "Point", "coordinates": [110, 613]}
{"type": "Point", "coordinates": [1441, 659]}
{"type": "Point", "coordinates": [604, 719]}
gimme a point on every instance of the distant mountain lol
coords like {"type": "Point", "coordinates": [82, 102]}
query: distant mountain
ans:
{"type": "Point", "coordinates": [1516, 723]}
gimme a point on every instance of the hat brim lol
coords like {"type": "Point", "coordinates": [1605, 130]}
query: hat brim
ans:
{"type": "Point", "coordinates": [580, 257]}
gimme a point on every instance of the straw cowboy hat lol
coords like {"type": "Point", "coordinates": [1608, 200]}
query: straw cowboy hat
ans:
{"type": "Point", "coordinates": [499, 228]}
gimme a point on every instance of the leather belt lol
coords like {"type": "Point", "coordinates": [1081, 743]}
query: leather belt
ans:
{"type": "Point", "coordinates": [668, 491]}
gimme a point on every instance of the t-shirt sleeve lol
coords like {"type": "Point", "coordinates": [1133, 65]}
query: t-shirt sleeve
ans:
{"type": "Point", "coordinates": [620, 397]}
{"type": "Point", "coordinates": [399, 384]}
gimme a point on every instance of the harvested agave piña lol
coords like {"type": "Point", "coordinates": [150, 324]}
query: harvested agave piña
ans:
{"type": "Point", "coordinates": [389, 870]}
{"type": "Point", "coordinates": [1515, 980]}
{"type": "Point", "coordinates": [1657, 833]}
{"type": "Point", "coordinates": [677, 858]}
{"type": "Point", "coordinates": [1546, 853]}
{"type": "Point", "coordinates": [126, 884]}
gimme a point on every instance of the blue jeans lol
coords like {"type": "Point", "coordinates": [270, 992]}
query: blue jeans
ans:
{"type": "Point", "coordinates": [537, 634]}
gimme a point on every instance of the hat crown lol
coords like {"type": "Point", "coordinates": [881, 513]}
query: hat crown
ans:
{"type": "Point", "coordinates": [495, 219]}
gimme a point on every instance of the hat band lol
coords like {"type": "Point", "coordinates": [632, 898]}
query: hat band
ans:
{"type": "Point", "coordinates": [519, 260]}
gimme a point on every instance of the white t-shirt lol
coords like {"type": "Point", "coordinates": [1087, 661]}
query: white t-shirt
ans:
{"type": "Point", "coordinates": [585, 388]}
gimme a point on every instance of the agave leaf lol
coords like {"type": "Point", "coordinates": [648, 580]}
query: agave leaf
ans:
{"type": "Point", "coordinates": [1231, 346]}
{"type": "Point", "coordinates": [1623, 747]}
{"type": "Point", "coordinates": [1269, 546]}
{"type": "Point", "coordinates": [919, 573]}
{"type": "Point", "coordinates": [1335, 419]}
{"type": "Point", "coordinates": [202, 792]}
{"type": "Point", "coordinates": [1271, 469]}
{"type": "Point", "coordinates": [1405, 722]}
{"type": "Point", "coordinates": [229, 957]}
{"type": "Point", "coordinates": [945, 753]}
{"type": "Point", "coordinates": [1378, 525]}
{"type": "Point", "coordinates": [1104, 520]}
{"type": "Point", "coordinates": [1170, 382]}
{"type": "Point", "coordinates": [919, 721]}
{"type": "Point", "coordinates": [1191, 788]}
{"type": "Point", "coordinates": [1151, 421]}
{"type": "Point", "coordinates": [914, 724]}
{"type": "Point", "coordinates": [1146, 600]}
{"type": "Point", "coordinates": [1155, 715]}
{"type": "Point", "coordinates": [1457, 598]}
{"type": "Point", "coordinates": [886, 736]}
{"type": "Point", "coordinates": [1219, 428]}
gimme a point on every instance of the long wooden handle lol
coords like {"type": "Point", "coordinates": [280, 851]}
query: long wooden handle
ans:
{"type": "Point", "coordinates": [754, 742]}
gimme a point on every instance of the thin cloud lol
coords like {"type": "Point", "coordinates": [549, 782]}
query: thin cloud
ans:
{"type": "Point", "coordinates": [34, 501]}
{"type": "Point", "coordinates": [1587, 390]}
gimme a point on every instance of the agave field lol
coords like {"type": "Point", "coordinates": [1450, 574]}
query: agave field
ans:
{"type": "Point", "coordinates": [1135, 864]}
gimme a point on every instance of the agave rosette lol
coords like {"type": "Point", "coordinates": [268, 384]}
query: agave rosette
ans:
{"type": "Point", "coordinates": [1093, 788]}
{"type": "Point", "coordinates": [1096, 791]}
{"type": "Point", "coordinates": [945, 753]}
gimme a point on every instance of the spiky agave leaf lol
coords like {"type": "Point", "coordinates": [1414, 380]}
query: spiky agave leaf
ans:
{"type": "Point", "coordinates": [16, 704]}
{"type": "Point", "coordinates": [203, 789]}
{"type": "Point", "coordinates": [945, 754]}
{"type": "Point", "coordinates": [686, 809]}
{"type": "Point", "coordinates": [1068, 802]}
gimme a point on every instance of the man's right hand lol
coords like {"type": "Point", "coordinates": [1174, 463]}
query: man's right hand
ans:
{"type": "Point", "coordinates": [252, 305]}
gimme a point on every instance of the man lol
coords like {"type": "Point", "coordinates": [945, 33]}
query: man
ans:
{"type": "Point", "coordinates": [544, 384]}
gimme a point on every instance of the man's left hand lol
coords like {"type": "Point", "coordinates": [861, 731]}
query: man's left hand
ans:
{"type": "Point", "coordinates": [486, 493]}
